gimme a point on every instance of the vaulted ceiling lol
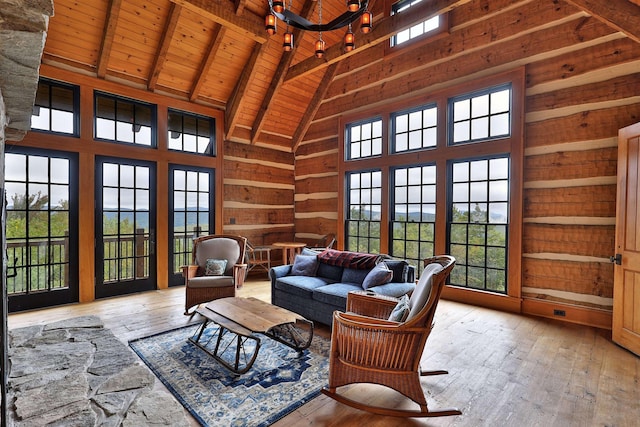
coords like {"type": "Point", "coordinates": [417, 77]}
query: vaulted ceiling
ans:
{"type": "Point", "coordinates": [216, 52]}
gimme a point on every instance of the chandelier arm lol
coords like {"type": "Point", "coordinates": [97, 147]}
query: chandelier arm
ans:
{"type": "Point", "coordinates": [343, 20]}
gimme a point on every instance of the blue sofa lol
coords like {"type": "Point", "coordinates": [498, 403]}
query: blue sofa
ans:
{"type": "Point", "coordinates": [317, 296]}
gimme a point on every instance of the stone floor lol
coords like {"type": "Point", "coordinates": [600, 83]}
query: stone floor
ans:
{"type": "Point", "coordinates": [77, 373]}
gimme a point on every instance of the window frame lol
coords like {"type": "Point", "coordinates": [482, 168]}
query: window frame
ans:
{"type": "Point", "coordinates": [212, 146]}
{"type": "Point", "coordinates": [153, 119]}
{"type": "Point", "coordinates": [75, 91]}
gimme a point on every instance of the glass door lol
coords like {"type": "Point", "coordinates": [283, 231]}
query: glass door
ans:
{"type": "Point", "coordinates": [191, 214]}
{"type": "Point", "coordinates": [125, 226]}
{"type": "Point", "coordinates": [41, 227]}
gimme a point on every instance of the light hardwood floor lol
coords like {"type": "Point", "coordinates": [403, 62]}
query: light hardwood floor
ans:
{"type": "Point", "coordinates": [504, 369]}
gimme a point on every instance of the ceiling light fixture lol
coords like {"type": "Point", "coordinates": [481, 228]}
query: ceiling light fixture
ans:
{"type": "Point", "coordinates": [354, 9]}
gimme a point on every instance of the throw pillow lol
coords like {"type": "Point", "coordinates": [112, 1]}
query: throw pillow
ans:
{"type": "Point", "coordinates": [305, 265]}
{"type": "Point", "coordinates": [379, 275]}
{"type": "Point", "coordinates": [400, 269]}
{"type": "Point", "coordinates": [401, 310]}
{"type": "Point", "coordinates": [215, 267]}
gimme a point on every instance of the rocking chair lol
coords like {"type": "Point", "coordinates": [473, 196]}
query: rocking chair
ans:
{"type": "Point", "coordinates": [366, 347]}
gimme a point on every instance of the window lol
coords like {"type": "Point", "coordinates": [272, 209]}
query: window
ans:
{"type": "Point", "coordinates": [124, 120]}
{"type": "Point", "coordinates": [478, 223]}
{"type": "Point", "coordinates": [424, 27]}
{"type": "Point", "coordinates": [191, 133]}
{"type": "Point", "coordinates": [364, 139]}
{"type": "Point", "coordinates": [56, 108]}
{"type": "Point", "coordinates": [481, 116]}
{"type": "Point", "coordinates": [445, 185]}
{"type": "Point", "coordinates": [414, 129]}
{"type": "Point", "coordinates": [363, 217]}
{"type": "Point", "coordinates": [414, 213]}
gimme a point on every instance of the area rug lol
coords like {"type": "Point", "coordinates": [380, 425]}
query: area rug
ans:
{"type": "Point", "coordinates": [280, 381]}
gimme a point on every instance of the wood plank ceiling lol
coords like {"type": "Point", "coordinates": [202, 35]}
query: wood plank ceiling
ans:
{"type": "Point", "coordinates": [217, 53]}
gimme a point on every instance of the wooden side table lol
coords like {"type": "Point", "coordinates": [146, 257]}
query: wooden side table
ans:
{"type": "Point", "coordinates": [289, 250]}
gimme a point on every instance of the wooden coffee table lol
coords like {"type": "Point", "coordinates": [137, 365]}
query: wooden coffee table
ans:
{"type": "Point", "coordinates": [244, 318]}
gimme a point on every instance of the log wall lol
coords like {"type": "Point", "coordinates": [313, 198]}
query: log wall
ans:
{"type": "Point", "coordinates": [582, 85]}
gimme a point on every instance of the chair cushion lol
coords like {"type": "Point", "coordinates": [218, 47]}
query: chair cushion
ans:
{"type": "Point", "coordinates": [423, 289]}
{"type": "Point", "coordinates": [400, 269]}
{"type": "Point", "coordinates": [210, 282]}
{"type": "Point", "coordinates": [401, 310]}
{"type": "Point", "coordinates": [379, 275]}
{"type": "Point", "coordinates": [219, 248]}
{"type": "Point", "coordinates": [305, 265]}
{"type": "Point", "coordinates": [215, 267]}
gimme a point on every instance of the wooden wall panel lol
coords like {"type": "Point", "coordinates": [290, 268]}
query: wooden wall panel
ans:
{"type": "Point", "coordinates": [598, 201]}
{"type": "Point", "coordinates": [580, 240]}
{"type": "Point", "coordinates": [582, 85]}
{"type": "Point", "coordinates": [571, 165]}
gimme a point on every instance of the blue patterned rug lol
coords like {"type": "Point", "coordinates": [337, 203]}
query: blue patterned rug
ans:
{"type": "Point", "coordinates": [280, 381]}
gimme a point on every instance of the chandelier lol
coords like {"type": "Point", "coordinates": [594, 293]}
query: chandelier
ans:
{"type": "Point", "coordinates": [355, 9]}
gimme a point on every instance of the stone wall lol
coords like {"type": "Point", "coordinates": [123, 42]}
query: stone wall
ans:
{"type": "Point", "coordinates": [23, 29]}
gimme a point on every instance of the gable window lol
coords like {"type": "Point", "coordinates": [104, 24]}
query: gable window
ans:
{"type": "Point", "coordinates": [191, 133]}
{"type": "Point", "coordinates": [481, 116]}
{"type": "Point", "coordinates": [414, 129]}
{"type": "Point", "coordinates": [364, 139]}
{"type": "Point", "coordinates": [364, 213]}
{"type": "Point", "coordinates": [124, 120]}
{"type": "Point", "coordinates": [427, 26]}
{"type": "Point", "coordinates": [56, 108]}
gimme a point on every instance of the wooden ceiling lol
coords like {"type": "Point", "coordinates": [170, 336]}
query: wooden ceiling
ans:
{"type": "Point", "coordinates": [216, 52]}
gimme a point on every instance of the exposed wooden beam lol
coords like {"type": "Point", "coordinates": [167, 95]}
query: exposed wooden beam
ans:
{"type": "Point", "coordinates": [622, 15]}
{"type": "Point", "coordinates": [248, 72]}
{"type": "Point", "coordinates": [207, 61]}
{"type": "Point", "coordinates": [165, 42]}
{"type": "Point", "coordinates": [107, 37]}
{"type": "Point", "coordinates": [314, 105]}
{"type": "Point", "coordinates": [281, 71]}
{"type": "Point", "coordinates": [386, 28]}
{"type": "Point", "coordinates": [224, 13]}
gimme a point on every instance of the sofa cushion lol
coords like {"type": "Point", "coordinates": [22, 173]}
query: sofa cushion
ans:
{"type": "Point", "coordinates": [400, 269]}
{"type": "Point", "coordinates": [300, 285]}
{"type": "Point", "coordinates": [305, 265]}
{"type": "Point", "coordinates": [335, 294]}
{"type": "Point", "coordinates": [352, 275]}
{"type": "Point", "coordinates": [332, 272]}
{"type": "Point", "coordinates": [348, 259]}
{"type": "Point", "coordinates": [378, 275]}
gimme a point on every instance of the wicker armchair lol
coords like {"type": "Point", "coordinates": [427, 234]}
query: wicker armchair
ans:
{"type": "Point", "coordinates": [200, 287]}
{"type": "Point", "coordinates": [368, 348]}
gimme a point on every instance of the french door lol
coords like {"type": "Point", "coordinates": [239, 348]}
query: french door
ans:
{"type": "Point", "coordinates": [125, 226]}
{"type": "Point", "coordinates": [191, 214]}
{"type": "Point", "coordinates": [41, 227]}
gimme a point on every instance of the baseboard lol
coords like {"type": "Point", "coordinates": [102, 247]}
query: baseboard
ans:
{"type": "Point", "coordinates": [568, 313]}
{"type": "Point", "coordinates": [482, 299]}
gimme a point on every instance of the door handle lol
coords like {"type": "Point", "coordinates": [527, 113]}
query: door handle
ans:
{"type": "Point", "coordinates": [617, 258]}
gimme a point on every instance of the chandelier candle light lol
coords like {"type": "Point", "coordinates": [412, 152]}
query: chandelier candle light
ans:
{"type": "Point", "coordinates": [355, 9]}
